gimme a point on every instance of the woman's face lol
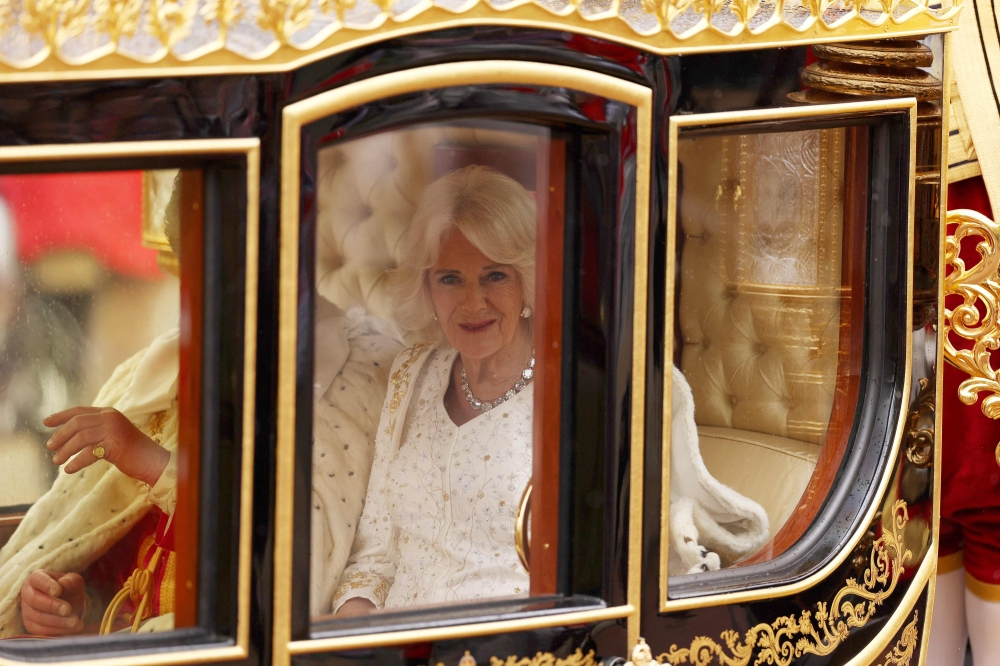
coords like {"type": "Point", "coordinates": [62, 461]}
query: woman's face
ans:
{"type": "Point", "coordinates": [478, 302]}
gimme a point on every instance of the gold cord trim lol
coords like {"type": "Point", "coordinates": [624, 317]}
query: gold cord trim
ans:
{"type": "Point", "coordinates": [788, 638]}
{"type": "Point", "coordinates": [138, 587]}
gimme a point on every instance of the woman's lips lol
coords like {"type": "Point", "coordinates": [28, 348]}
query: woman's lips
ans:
{"type": "Point", "coordinates": [478, 327]}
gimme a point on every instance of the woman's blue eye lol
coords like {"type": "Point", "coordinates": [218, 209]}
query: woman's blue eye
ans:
{"type": "Point", "coordinates": [448, 279]}
{"type": "Point", "coordinates": [496, 276]}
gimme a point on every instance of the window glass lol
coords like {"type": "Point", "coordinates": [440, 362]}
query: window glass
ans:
{"type": "Point", "coordinates": [769, 252]}
{"type": "Point", "coordinates": [432, 246]}
{"type": "Point", "coordinates": [90, 349]}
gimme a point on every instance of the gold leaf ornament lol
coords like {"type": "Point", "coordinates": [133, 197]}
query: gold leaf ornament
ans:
{"type": "Point", "coordinates": [224, 12]}
{"type": "Point", "coordinates": [977, 317]}
{"type": "Point", "coordinates": [578, 658]}
{"type": "Point", "coordinates": [902, 653]}
{"type": "Point", "coordinates": [341, 7]}
{"type": "Point", "coordinates": [787, 638]}
{"type": "Point", "coordinates": [744, 10]}
{"type": "Point", "coordinates": [169, 21]}
{"type": "Point", "coordinates": [55, 21]}
{"type": "Point", "coordinates": [284, 18]}
{"type": "Point", "coordinates": [117, 18]}
{"type": "Point", "coordinates": [6, 15]}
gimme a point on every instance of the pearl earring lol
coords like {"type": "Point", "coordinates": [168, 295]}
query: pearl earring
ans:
{"type": "Point", "coordinates": [434, 316]}
{"type": "Point", "coordinates": [526, 312]}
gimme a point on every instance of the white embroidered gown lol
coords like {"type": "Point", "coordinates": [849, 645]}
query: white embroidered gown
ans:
{"type": "Point", "coordinates": [438, 522]}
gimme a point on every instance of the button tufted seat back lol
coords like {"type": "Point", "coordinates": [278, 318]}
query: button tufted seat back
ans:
{"type": "Point", "coordinates": [759, 302]}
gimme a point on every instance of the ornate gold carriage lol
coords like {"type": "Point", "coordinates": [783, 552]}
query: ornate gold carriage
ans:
{"type": "Point", "coordinates": [740, 264]}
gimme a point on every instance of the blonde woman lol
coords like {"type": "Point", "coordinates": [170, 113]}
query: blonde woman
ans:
{"type": "Point", "coordinates": [454, 444]}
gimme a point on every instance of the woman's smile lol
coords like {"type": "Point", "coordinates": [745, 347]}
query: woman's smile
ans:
{"type": "Point", "coordinates": [478, 327]}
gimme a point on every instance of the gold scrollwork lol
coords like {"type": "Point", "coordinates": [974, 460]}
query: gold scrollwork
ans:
{"type": "Point", "coordinates": [977, 318]}
{"type": "Point", "coordinates": [919, 438]}
{"type": "Point", "coordinates": [281, 33]}
{"type": "Point", "coordinates": [819, 633]}
{"type": "Point", "coordinates": [902, 653]}
{"type": "Point", "coordinates": [578, 658]}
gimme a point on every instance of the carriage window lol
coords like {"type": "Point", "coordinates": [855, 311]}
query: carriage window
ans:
{"type": "Point", "coordinates": [93, 482]}
{"type": "Point", "coordinates": [429, 370]}
{"type": "Point", "coordinates": [767, 353]}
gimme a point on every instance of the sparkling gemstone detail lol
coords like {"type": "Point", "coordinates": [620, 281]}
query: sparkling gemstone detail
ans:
{"type": "Point", "coordinates": [519, 385]}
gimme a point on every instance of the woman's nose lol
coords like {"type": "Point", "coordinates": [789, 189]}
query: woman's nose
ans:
{"type": "Point", "coordinates": [473, 298]}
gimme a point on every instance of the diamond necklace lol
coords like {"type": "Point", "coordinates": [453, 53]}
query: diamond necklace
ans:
{"type": "Point", "coordinates": [522, 381]}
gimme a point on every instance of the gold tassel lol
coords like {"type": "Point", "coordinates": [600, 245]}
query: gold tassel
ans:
{"type": "Point", "coordinates": [138, 588]}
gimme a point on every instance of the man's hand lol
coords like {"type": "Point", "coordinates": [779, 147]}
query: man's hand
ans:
{"type": "Point", "coordinates": [125, 446]}
{"type": "Point", "coordinates": [52, 603]}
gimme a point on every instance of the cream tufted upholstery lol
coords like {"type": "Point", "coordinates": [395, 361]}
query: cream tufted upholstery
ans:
{"type": "Point", "coordinates": [759, 304]}
{"type": "Point", "coordinates": [367, 190]}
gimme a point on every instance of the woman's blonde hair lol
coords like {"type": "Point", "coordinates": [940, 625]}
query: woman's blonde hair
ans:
{"type": "Point", "coordinates": [493, 211]}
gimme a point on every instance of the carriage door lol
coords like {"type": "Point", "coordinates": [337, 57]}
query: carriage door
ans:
{"type": "Point", "coordinates": [403, 536]}
{"type": "Point", "coordinates": [792, 519]}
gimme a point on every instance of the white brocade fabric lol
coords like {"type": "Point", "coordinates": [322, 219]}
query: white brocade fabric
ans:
{"type": "Point", "coordinates": [438, 523]}
{"type": "Point", "coordinates": [353, 357]}
{"type": "Point", "coordinates": [164, 492]}
{"type": "Point", "coordinates": [86, 513]}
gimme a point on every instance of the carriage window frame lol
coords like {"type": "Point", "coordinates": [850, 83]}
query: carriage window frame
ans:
{"type": "Point", "coordinates": [752, 583]}
{"type": "Point", "coordinates": [221, 631]}
{"type": "Point", "coordinates": [488, 621]}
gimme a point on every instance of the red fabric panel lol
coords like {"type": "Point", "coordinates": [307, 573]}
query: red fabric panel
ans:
{"type": "Point", "coordinates": [970, 476]}
{"type": "Point", "coordinates": [100, 212]}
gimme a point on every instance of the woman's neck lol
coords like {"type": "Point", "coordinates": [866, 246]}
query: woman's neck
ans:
{"type": "Point", "coordinates": [494, 375]}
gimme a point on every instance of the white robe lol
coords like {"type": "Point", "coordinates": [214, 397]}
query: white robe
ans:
{"type": "Point", "coordinates": [707, 518]}
{"type": "Point", "coordinates": [438, 523]}
{"type": "Point", "coordinates": [86, 513]}
{"type": "Point", "coordinates": [353, 357]}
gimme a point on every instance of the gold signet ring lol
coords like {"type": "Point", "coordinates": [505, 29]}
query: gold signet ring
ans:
{"type": "Point", "coordinates": [98, 451]}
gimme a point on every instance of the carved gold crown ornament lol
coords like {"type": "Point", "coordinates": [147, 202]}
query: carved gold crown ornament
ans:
{"type": "Point", "coordinates": [976, 318]}
{"type": "Point", "coordinates": [788, 638]}
{"type": "Point", "coordinates": [52, 38]}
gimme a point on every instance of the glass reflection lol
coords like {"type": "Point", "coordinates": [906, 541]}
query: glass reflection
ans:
{"type": "Point", "coordinates": [423, 430]}
{"type": "Point", "coordinates": [764, 342]}
{"type": "Point", "coordinates": [89, 353]}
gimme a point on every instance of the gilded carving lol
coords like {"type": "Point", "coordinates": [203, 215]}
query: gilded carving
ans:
{"type": "Point", "coordinates": [284, 17]}
{"type": "Point", "coordinates": [224, 13]}
{"type": "Point", "coordinates": [977, 318]}
{"type": "Point", "coordinates": [578, 658]}
{"type": "Point", "coordinates": [117, 18]}
{"type": "Point", "coordinates": [170, 20]}
{"type": "Point", "coordinates": [55, 21]}
{"type": "Point", "coordinates": [902, 653]}
{"type": "Point", "coordinates": [283, 30]}
{"type": "Point", "coordinates": [790, 637]}
{"type": "Point", "coordinates": [919, 437]}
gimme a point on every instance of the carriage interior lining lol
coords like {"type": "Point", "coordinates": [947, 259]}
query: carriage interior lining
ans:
{"type": "Point", "coordinates": [759, 305]}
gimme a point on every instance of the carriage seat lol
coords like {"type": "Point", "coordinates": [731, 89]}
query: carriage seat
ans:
{"type": "Point", "coordinates": [737, 458]}
{"type": "Point", "coordinates": [759, 309]}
